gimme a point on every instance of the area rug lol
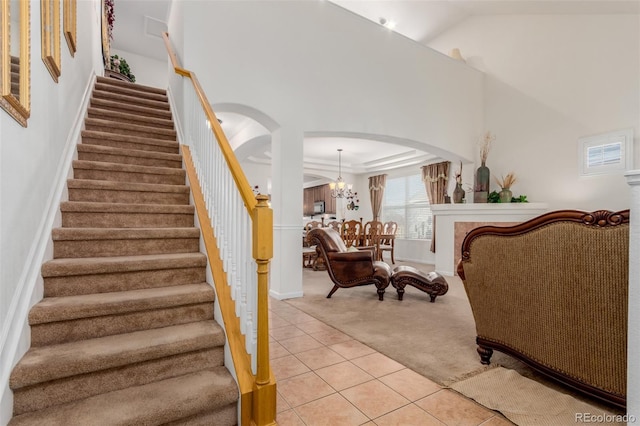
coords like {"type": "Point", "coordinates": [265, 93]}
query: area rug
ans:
{"type": "Point", "coordinates": [529, 403]}
{"type": "Point", "coordinates": [437, 340]}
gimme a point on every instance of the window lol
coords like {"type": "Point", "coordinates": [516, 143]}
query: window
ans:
{"type": "Point", "coordinates": [606, 153]}
{"type": "Point", "coordinates": [405, 202]}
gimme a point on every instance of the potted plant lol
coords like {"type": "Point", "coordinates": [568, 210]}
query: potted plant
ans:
{"type": "Point", "coordinates": [121, 66]}
{"type": "Point", "coordinates": [505, 184]}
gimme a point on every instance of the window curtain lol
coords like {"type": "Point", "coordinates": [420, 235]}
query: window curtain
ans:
{"type": "Point", "coordinates": [435, 178]}
{"type": "Point", "coordinates": [376, 191]}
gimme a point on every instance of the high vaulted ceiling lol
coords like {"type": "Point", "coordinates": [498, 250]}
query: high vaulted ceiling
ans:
{"type": "Point", "coordinates": [139, 24]}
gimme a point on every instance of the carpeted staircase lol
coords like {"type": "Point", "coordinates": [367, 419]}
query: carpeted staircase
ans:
{"type": "Point", "coordinates": [125, 333]}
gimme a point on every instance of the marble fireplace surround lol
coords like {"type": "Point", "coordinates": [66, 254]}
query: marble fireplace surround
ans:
{"type": "Point", "coordinates": [454, 221]}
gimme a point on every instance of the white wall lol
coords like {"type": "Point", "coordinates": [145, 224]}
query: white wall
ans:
{"type": "Point", "coordinates": [313, 66]}
{"type": "Point", "coordinates": [29, 167]}
{"type": "Point", "coordinates": [549, 81]}
{"type": "Point", "coordinates": [148, 71]}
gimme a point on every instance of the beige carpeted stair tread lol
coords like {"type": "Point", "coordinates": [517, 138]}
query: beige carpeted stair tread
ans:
{"type": "Point", "coordinates": [129, 108]}
{"type": "Point", "coordinates": [106, 265]}
{"type": "Point", "coordinates": [70, 242]}
{"type": "Point", "coordinates": [151, 404]}
{"type": "Point", "coordinates": [46, 363]}
{"type": "Point", "coordinates": [130, 212]}
{"type": "Point", "coordinates": [105, 151]}
{"type": "Point", "coordinates": [106, 114]}
{"type": "Point", "coordinates": [134, 100]}
{"type": "Point", "coordinates": [134, 86]}
{"type": "Point", "coordinates": [225, 417]}
{"type": "Point", "coordinates": [131, 91]}
{"type": "Point", "coordinates": [52, 309]}
{"type": "Point", "coordinates": [128, 168]}
{"type": "Point", "coordinates": [120, 127]}
{"type": "Point", "coordinates": [125, 186]}
{"type": "Point", "coordinates": [90, 206]}
{"type": "Point", "coordinates": [81, 234]}
{"type": "Point", "coordinates": [143, 141]}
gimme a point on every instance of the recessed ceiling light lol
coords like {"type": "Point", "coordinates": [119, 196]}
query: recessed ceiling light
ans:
{"type": "Point", "coordinates": [387, 23]}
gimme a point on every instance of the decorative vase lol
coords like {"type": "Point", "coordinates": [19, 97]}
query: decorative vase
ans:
{"type": "Point", "coordinates": [505, 195]}
{"type": "Point", "coordinates": [458, 194]}
{"type": "Point", "coordinates": [482, 184]}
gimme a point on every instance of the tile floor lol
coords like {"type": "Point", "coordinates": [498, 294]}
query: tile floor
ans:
{"type": "Point", "coordinates": [327, 378]}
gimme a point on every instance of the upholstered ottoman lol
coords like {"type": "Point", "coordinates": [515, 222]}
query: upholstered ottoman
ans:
{"type": "Point", "coordinates": [431, 283]}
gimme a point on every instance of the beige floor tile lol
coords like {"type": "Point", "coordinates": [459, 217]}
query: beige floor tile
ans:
{"type": "Point", "coordinates": [351, 349]}
{"type": "Point", "coordinates": [343, 375]}
{"type": "Point", "coordinates": [287, 332]}
{"type": "Point", "coordinates": [332, 410]}
{"type": "Point", "coordinates": [319, 357]}
{"type": "Point", "coordinates": [296, 317]}
{"type": "Point", "coordinates": [277, 322]}
{"type": "Point", "coordinates": [304, 388]}
{"type": "Point", "coordinates": [314, 326]}
{"type": "Point", "coordinates": [288, 418]}
{"type": "Point", "coordinates": [410, 384]}
{"type": "Point", "coordinates": [374, 398]}
{"type": "Point", "coordinates": [276, 305]}
{"type": "Point", "coordinates": [300, 344]}
{"type": "Point", "coordinates": [284, 307]}
{"type": "Point", "coordinates": [408, 415]}
{"type": "Point", "coordinates": [454, 409]}
{"type": "Point", "coordinates": [281, 403]}
{"type": "Point", "coordinates": [276, 350]}
{"type": "Point", "coordinates": [377, 364]}
{"type": "Point", "coordinates": [497, 420]}
{"type": "Point", "coordinates": [287, 366]}
{"type": "Point", "coordinates": [331, 337]}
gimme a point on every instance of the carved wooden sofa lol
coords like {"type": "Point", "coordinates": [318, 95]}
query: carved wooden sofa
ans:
{"type": "Point", "coordinates": [553, 293]}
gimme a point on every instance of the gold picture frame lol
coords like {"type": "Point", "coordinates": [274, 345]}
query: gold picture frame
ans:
{"type": "Point", "coordinates": [15, 60]}
{"type": "Point", "coordinates": [50, 31]}
{"type": "Point", "coordinates": [69, 24]}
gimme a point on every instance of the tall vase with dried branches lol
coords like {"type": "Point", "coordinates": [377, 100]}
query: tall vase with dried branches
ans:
{"type": "Point", "coordinates": [481, 190]}
{"type": "Point", "coordinates": [458, 192]}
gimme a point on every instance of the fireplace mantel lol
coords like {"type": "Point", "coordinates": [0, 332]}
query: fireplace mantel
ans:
{"type": "Point", "coordinates": [473, 214]}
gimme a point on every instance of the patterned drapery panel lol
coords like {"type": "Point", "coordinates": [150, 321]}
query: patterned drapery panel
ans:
{"type": "Point", "coordinates": [376, 191]}
{"type": "Point", "coordinates": [435, 177]}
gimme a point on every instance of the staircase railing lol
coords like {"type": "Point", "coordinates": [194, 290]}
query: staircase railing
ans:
{"type": "Point", "coordinates": [237, 228]}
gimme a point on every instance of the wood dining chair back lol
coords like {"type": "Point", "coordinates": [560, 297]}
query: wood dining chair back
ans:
{"type": "Point", "coordinates": [388, 240]}
{"type": "Point", "coordinates": [371, 236]}
{"type": "Point", "coordinates": [335, 225]}
{"type": "Point", "coordinates": [351, 233]}
{"type": "Point", "coordinates": [309, 251]}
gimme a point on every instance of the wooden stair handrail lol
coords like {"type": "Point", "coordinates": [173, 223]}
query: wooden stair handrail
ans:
{"type": "Point", "coordinates": [257, 393]}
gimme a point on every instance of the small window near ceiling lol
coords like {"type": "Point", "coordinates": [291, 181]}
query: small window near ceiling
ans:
{"type": "Point", "coordinates": [607, 153]}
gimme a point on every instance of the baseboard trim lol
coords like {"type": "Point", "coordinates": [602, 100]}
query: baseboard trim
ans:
{"type": "Point", "coordinates": [283, 296]}
{"type": "Point", "coordinates": [15, 337]}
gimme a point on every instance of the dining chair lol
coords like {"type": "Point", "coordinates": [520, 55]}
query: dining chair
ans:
{"type": "Point", "coordinates": [388, 240]}
{"type": "Point", "coordinates": [371, 236]}
{"type": "Point", "coordinates": [351, 233]}
{"type": "Point", "coordinates": [309, 252]}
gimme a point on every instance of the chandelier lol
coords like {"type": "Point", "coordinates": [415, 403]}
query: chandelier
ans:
{"type": "Point", "coordinates": [339, 189]}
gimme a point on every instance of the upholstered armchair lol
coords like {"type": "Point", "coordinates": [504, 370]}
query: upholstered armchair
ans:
{"type": "Point", "coordinates": [349, 268]}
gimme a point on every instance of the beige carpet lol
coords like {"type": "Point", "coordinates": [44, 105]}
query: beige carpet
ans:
{"type": "Point", "coordinates": [527, 402]}
{"type": "Point", "coordinates": [436, 340]}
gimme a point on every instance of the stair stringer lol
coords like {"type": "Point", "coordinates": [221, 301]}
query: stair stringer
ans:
{"type": "Point", "coordinates": [15, 336]}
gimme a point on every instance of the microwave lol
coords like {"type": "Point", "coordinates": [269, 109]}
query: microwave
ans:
{"type": "Point", "coordinates": [318, 207]}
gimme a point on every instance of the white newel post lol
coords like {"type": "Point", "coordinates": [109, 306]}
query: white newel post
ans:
{"type": "Point", "coordinates": [633, 336]}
